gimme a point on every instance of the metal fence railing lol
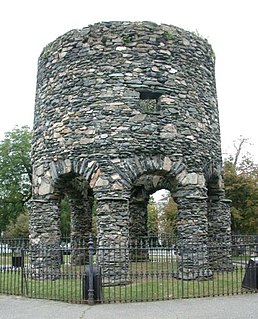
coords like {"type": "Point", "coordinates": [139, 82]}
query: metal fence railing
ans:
{"type": "Point", "coordinates": [148, 272]}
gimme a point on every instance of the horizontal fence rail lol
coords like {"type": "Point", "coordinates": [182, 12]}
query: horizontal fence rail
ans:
{"type": "Point", "coordinates": [143, 270]}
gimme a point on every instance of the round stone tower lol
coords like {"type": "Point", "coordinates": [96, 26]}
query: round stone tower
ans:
{"type": "Point", "coordinates": [124, 109]}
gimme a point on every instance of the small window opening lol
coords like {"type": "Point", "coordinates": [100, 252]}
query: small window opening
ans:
{"type": "Point", "coordinates": [149, 101]}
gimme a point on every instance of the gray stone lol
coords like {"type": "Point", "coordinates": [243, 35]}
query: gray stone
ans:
{"type": "Point", "coordinates": [101, 182]}
{"type": "Point", "coordinates": [45, 188]}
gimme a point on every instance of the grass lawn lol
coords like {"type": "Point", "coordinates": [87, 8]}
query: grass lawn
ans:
{"type": "Point", "coordinates": [164, 287]}
{"type": "Point", "coordinates": [147, 281]}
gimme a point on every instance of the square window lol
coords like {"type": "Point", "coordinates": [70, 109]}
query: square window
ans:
{"type": "Point", "coordinates": [149, 101]}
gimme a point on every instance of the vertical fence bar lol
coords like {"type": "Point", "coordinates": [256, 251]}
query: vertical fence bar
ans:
{"type": "Point", "coordinates": [91, 288]}
{"type": "Point", "coordinates": [22, 271]}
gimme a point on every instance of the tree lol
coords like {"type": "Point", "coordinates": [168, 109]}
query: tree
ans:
{"type": "Point", "coordinates": [241, 186]}
{"type": "Point", "coordinates": [242, 189]}
{"type": "Point", "coordinates": [15, 174]}
{"type": "Point", "coordinates": [162, 215]}
{"type": "Point", "coordinates": [152, 222]}
{"type": "Point", "coordinates": [18, 228]}
{"type": "Point", "coordinates": [65, 217]}
{"type": "Point", "coordinates": [168, 217]}
{"type": "Point", "coordinates": [238, 145]}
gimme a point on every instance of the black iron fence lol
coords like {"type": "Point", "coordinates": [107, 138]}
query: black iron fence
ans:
{"type": "Point", "coordinates": [148, 273]}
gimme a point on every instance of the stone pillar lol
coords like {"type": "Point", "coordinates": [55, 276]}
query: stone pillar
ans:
{"type": "Point", "coordinates": [138, 225]}
{"type": "Point", "coordinates": [81, 226]}
{"type": "Point", "coordinates": [192, 229]}
{"type": "Point", "coordinates": [113, 237]}
{"type": "Point", "coordinates": [219, 231]}
{"type": "Point", "coordinates": [45, 238]}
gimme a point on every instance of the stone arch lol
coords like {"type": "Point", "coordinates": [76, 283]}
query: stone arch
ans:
{"type": "Point", "coordinates": [131, 169]}
{"type": "Point", "coordinates": [144, 176]}
{"type": "Point", "coordinates": [88, 170]}
{"type": "Point", "coordinates": [52, 182]}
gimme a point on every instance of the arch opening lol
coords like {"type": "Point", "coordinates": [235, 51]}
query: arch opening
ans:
{"type": "Point", "coordinates": [148, 220]}
{"type": "Point", "coordinates": [76, 201]}
{"type": "Point", "coordinates": [167, 213]}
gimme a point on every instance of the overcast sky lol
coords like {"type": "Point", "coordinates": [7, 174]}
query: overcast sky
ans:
{"type": "Point", "coordinates": [230, 26]}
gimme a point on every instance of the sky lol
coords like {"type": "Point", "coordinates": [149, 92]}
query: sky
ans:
{"type": "Point", "coordinates": [230, 26]}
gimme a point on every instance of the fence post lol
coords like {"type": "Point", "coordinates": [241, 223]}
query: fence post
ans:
{"type": "Point", "coordinates": [91, 288]}
{"type": "Point", "coordinates": [22, 271]}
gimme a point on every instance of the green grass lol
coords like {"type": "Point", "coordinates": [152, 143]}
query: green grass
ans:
{"type": "Point", "coordinates": [147, 281]}
{"type": "Point", "coordinates": [67, 288]}
{"type": "Point", "coordinates": [164, 287]}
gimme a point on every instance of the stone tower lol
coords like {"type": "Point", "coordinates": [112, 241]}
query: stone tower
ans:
{"type": "Point", "coordinates": [124, 109]}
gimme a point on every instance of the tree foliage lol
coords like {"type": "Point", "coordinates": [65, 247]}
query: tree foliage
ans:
{"type": "Point", "coordinates": [15, 174]}
{"type": "Point", "coordinates": [241, 187]}
{"type": "Point", "coordinates": [65, 217]}
{"type": "Point", "coordinates": [168, 217]}
{"type": "Point", "coordinates": [152, 222]}
{"type": "Point", "coordinates": [18, 228]}
{"type": "Point", "coordinates": [162, 215]}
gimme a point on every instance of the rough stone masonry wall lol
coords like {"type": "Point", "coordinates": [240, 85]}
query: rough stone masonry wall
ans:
{"type": "Point", "coordinates": [123, 106]}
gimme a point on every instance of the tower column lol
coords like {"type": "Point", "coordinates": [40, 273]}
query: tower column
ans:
{"type": "Point", "coordinates": [192, 228]}
{"type": "Point", "coordinates": [138, 224]}
{"type": "Point", "coordinates": [219, 231]}
{"type": "Point", "coordinates": [45, 238]}
{"type": "Point", "coordinates": [112, 239]}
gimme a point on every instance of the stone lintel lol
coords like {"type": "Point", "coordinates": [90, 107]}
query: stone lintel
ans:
{"type": "Point", "coordinates": [196, 197]}
{"type": "Point", "coordinates": [113, 198]}
{"type": "Point", "coordinates": [226, 201]}
{"type": "Point", "coordinates": [40, 200]}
